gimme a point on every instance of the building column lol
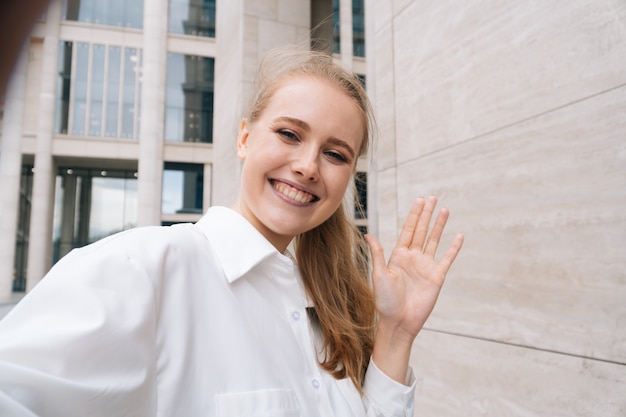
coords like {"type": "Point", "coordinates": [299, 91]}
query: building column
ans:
{"type": "Point", "coordinates": [40, 240]}
{"type": "Point", "coordinates": [345, 32]}
{"type": "Point", "coordinates": [10, 171]}
{"type": "Point", "coordinates": [244, 34]}
{"type": "Point", "coordinates": [153, 68]}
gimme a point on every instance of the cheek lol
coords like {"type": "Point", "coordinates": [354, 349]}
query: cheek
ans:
{"type": "Point", "coordinates": [339, 183]}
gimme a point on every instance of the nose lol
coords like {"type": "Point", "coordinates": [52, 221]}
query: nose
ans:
{"type": "Point", "coordinates": [305, 164]}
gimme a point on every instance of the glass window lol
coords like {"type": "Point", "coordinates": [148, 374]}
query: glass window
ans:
{"type": "Point", "coordinates": [189, 98]}
{"type": "Point", "coordinates": [362, 79]}
{"type": "Point", "coordinates": [63, 87]}
{"type": "Point", "coordinates": [97, 90]}
{"type": "Point", "coordinates": [113, 92]}
{"type": "Point", "coordinates": [113, 205]}
{"type": "Point", "coordinates": [360, 204]}
{"type": "Point", "coordinates": [79, 100]}
{"type": "Point", "coordinates": [183, 188]}
{"type": "Point", "coordinates": [192, 17]}
{"type": "Point", "coordinates": [91, 204]}
{"type": "Point", "coordinates": [121, 13]}
{"type": "Point", "coordinates": [336, 29]}
{"type": "Point", "coordinates": [129, 94]}
{"type": "Point", "coordinates": [358, 28]}
{"type": "Point", "coordinates": [23, 229]}
{"type": "Point", "coordinates": [109, 89]}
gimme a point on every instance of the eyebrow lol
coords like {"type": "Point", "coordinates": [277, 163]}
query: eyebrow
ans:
{"type": "Point", "coordinates": [300, 123]}
{"type": "Point", "coordinates": [305, 126]}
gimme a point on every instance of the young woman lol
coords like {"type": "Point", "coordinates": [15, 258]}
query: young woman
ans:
{"type": "Point", "coordinates": [221, 317]}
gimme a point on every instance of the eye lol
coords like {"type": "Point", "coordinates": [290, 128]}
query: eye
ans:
{"type": "Point", "coordinates": [288, 135]}
{"type": "Point", "coordinates": [336, 156]}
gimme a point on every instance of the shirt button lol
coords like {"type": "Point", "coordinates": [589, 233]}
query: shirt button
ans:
{"type": "Point", "coordinates": [315, 383]}
{"type": "Point", "coordinates": [295, 315]}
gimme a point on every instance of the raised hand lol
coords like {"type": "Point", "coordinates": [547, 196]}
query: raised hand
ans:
{"type": "Point", "coordinates": [407, 287]}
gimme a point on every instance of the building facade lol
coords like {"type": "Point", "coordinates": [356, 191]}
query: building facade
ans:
{"type": "Point", "coordinates": [125, 113]}
{"type": "Point", "coordinates": [513, 113]}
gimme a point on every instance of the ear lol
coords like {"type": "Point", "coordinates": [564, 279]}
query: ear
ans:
{"type": "Point", "coordinates": [242, 140]}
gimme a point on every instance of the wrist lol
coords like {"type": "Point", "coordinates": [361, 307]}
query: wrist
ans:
{"type": "Point", "coordinates": [392, 350]}
{"type": "Point", "coordinates": [394, 334]}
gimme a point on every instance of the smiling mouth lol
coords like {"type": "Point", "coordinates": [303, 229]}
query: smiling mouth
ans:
{"type": "Point", "coordinates": [293, 193]}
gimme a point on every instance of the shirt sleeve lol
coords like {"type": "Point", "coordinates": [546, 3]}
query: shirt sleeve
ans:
{"type": "Point", "coordinates": [81, 343]}
{"type": "Point", "coordinates": [385, 397]}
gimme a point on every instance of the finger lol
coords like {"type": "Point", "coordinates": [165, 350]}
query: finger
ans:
{"type": "Point", "coordinates": [432, 243]}
{"type": "Point", "coordinates": [423, 224]}
{"type": "Point", "coordinates": [378, 256]}
{"type": "Point", "coordinates": [450, 255]}
{"type": "Point", "coordinates": [408, 229]}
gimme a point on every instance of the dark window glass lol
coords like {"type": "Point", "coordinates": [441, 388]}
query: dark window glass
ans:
{"type": "Point", "coordinates": [360, 204]}
{"type": "Point", "coordinates": [361, 78]}
{"type": "Point", "coordinates": [63, 87]}
{"type": "Point", "coordinates": [121, 13]}
{"type": "Point", "coordinates": [358, 28]}
{"type": "Point", "coordinates": [91, 204]}
{"type": "Point", "coordinates": [336, 30]}
{"type": "Point", "coordinates": [189, 98]}
{"type": "Point", "coordinates": [192, 17]}
{"type": "Point", "coordinates": [101, 99]}
{"type": "Point", "coordinates": [23, 229]}
{"type": "Point", "coordinates": [183, 188]}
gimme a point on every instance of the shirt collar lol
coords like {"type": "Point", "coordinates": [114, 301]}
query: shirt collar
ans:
{"type": "Point", "coordinates": [238, 245]}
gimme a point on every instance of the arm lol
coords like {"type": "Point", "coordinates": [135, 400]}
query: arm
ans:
{"type": "Point", "coordinates": [79, 343]}
{"type": "Point", "coordinates": [407, 287]}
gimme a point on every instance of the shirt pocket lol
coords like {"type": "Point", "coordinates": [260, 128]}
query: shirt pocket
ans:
{"type": "Point", "coordinates": [262, 403]}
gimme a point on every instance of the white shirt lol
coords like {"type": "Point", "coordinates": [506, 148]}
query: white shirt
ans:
{"type": "Point", "coordinates": [205, 319]}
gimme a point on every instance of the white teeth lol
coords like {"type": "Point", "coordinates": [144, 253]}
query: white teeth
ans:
{"type": "Point", "coordinates": [293, 193]}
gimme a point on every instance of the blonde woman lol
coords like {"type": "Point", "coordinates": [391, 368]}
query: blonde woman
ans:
{"type": "Point", "coordinates": [219, 318]}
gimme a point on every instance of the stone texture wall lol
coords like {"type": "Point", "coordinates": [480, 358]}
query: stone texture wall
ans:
{"type": "Point", "coordinates": [514, 114]}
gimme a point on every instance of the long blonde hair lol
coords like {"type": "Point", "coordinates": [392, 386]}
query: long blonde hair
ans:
{"type": "Point", "coordinates": [332, 256]}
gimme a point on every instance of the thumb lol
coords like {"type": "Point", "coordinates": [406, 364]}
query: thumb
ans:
{"type": "Point", "coordinates": [378, 256]}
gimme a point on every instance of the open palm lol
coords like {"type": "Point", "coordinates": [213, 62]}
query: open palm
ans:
{"type": "Point", "coordinates": [407, 287]}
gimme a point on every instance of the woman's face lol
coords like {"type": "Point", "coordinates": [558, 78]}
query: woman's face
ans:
{"type": "Point", "coordinates": [298, 157]}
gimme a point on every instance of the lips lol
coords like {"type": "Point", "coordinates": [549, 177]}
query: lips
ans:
{"type": "Point", "coordinates": [293, 193]}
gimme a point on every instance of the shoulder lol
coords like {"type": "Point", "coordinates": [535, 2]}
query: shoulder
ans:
{"type": "Point", "coordinates": [143, 240]}
{"type": "Point", "coordinates": [148, 249]}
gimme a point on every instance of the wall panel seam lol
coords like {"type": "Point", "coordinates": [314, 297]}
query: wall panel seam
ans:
{"type": "Point", "coordinates": [509, 125]}
{"type": "Point", "coordinates": [521, 346]}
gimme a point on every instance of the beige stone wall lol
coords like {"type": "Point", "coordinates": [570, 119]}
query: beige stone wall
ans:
{"type": "Point", "coordinates": [514, 113]}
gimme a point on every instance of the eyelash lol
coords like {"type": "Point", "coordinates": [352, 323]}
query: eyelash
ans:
{"type": "Point", "coordinates": [337, 156]}
{"type": "Point", "coordinates": [291, 136]}
{"type": "Point", "coordinates": [288, 134]}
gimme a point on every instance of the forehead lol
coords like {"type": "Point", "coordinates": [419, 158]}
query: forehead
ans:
{"type": "Point", "coordinates": [321, 104]}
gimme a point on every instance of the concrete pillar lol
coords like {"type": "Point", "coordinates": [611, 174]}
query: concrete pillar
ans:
{"type": "Point", "coordinates": [229, 26]}
{"type": "Point", "coordinates": [149, 182]}
{"type": "Point", "coordinates": [10, 171]}
{"type": "Point", "coordinates": [245, 32]}
{"type": "Point", "coordinates": [40, 240]}
{"type": "Point", "coordinates": [345, 34]}
{"type": "Point", "coordinates": [206, 191]}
